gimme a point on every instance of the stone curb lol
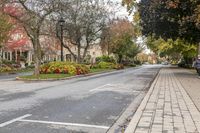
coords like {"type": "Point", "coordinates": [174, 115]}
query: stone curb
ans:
{"type": "Point", "coordinates": [131, 109]}
{"type": "Point", "coordinates": [135, 120]}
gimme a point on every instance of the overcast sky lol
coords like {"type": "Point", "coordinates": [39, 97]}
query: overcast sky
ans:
{"type": "Point", "coordinates": [120, 10]}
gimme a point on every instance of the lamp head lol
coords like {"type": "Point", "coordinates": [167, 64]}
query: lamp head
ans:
{"type": "Point", "coordinates": [61, 21]}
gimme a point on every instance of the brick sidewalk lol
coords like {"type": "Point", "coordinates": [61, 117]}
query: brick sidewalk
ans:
{"type": "Point", "coordinates": [166, 108]}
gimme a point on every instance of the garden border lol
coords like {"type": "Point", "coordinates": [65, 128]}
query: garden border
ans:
{"type": "Point", "coordinates": [80, 76]}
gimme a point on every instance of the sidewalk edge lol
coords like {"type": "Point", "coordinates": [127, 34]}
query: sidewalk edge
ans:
{"type": "Point", "coordinates": [132, 125]}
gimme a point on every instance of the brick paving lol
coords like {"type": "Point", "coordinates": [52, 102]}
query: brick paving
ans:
{"type": "Point", "coordinates": [189, 79]}
{"type": "Point", "coordinates": [167, 108]}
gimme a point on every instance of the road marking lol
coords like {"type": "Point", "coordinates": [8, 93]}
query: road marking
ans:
{"type": "Point", "coordinates": [14, 120]}
{"type": "Point", "coordinates": [66, 124]}
{"type": "Point", "coordinates": [100, 87]}
{"type": "Point", "coordinates": [115, 87]}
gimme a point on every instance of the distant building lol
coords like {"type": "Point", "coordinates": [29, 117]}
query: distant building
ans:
{"type": "Point", "coordinates": [50, 50]}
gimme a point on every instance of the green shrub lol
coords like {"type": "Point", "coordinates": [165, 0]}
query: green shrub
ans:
{"type": "Point", "coordinates": [105, 58]}
{"type": "Point", "coordinates": [7, 69]}
{"type": "Point", "coordinates": [106, 65]}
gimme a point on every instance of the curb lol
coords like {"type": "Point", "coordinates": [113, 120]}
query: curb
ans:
{"type": "Point", "coordinates": [135, 120]}
{"type": "Point", "coordinates": [120, 123]}
{"type": "Point", "coordinates": [128, 113]}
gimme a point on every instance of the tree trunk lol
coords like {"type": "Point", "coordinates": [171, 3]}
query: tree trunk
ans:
{"type": "Point", "coordinates": [74, 55]}
{"type": "Point", "coordinates": [120, 59]}
{"type": "Point", "coordinates": [37, 66]}
{"type": "Point", "coordinates": [79, 54]}
{"type": "Point", "coordinates": [85, 51]}
{"type": "Point", "coordinates": [37, 55]}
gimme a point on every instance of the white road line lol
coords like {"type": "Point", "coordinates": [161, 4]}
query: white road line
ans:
{"type": "Point", "coordinates": [100, 87]}
{"type": "Point", "coordinates": [66, 124]}
{"type": "Point", "coordinates": [14, 120]}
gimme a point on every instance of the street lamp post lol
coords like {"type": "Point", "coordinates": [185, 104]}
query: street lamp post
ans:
{"type": "Point", "coordinates": [61, 22]}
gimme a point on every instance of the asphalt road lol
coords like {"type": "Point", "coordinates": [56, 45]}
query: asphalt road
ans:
{"type": "Point", "coordinates": [83, 105]}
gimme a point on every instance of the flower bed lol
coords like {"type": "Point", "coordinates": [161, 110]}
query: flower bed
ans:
{"type": "Point", "coordinates": [64, 68]}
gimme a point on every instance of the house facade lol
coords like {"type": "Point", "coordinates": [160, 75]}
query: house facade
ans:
{"type": "Point", "coordinates": [50, 51]}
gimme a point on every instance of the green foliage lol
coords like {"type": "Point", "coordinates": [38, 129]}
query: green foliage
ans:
{"type": "Point", "coordinates": [125, 47]}
{"type": "Point", "coordinates": [108, 65]}
{"type": "Point", "coordinates": [64, 68]}
{"type": "Point", "coordinates": [133, 50]}
{"type": "Point", "coordinates": [173, 49]}
{"type": "Point", "coordinates": [119, 40]}
{"type": "Point", "coordinates": [105, 65]}
{"type": "Point", "coordinates": [170, 19]}
{"type": "Point", "coordinates": [5, 68]}
{"type": "Point", "coordinates": [105, 58]}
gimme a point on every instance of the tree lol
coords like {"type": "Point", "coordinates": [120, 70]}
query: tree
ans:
{"type": "Point", "coordinates": [142, 57]}
{"type": "Point", "coordinates": [173, 49]}
{"type": "Point", "coordinates": [84, 23]}
{"type": "Point", "coordinates": [5, 27]}
{"type": "Point", "coordinates": [106, 40]}
{"type": "Point", "coordinates": [169, 18]}
{"type": "Point", "coordinates": [31, 15]}
{"type": "Point", "coordinates": [120, 36]}
{"type": "Point", "coordinates": [17, 37]}
{"type": "Point", "coordinates": [133, 50]}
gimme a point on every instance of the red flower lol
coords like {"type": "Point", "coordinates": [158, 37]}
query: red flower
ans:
{"type": "Point", "coordinates": [78, 71]}
{"type": "Point", "coordinates": [57, 71]}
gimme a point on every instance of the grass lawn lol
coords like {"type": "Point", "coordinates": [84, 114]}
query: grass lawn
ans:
{"type": "Point", "coordinates": [46, 76]}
